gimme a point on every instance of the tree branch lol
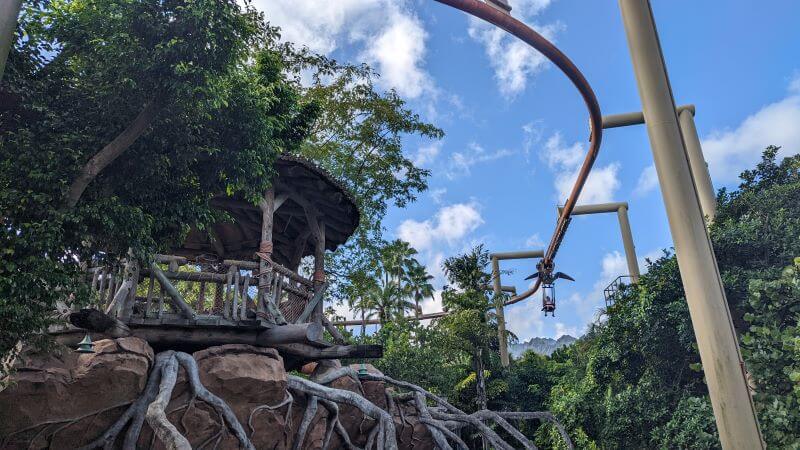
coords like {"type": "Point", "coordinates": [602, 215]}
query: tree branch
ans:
{"type": "Point", "coordinates": [111, 152]}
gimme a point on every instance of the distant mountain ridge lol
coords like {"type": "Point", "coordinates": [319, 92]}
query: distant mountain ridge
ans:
{"type": "Point", "coordinates": [542, 346]}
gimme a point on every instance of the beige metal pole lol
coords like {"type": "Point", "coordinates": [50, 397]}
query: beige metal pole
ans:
{"type": "Point", "coordinates": [633, 118]}
{"type": "Point", "coordinates": [499, 299]}
{"type": "Point", "coordinates": [716, 339]}
{"type": "Point", "coordinates": [9, 12]}
{"type": "Point", "coordinates": [621, 208]}
{"type": "Point", "coordinates": [700, 174]}
{"type": "Point", "coordinates": [627, 242]}
{"type": "Point", "coordinates": [500, 313]}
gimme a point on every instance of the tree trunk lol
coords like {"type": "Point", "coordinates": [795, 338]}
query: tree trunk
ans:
{"type": "Point", "coordinates": [363, 323]}
{"type": "Point", "coordinates": [111, 152]}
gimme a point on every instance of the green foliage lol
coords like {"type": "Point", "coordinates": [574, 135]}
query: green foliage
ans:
{"type": "Point", "coordinates": [635, 381]}
{"type": "Point", "coordinates": [82, 71]}
{"type": "Point", "coordinates": [771, 348]}
{"type": "Point", "coordinates": [358, 137]}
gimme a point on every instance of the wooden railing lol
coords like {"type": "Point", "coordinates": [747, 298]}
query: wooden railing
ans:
{"type": "Point", "coordinates": [175, 289]}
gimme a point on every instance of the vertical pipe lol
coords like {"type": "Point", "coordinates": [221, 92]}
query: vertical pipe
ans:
{"type": "Point", "coordinates": [9, 12]}
{"type": "Point", "coordinates": [708, 307]}
{"type": "Point", "coordinates": [627, 242]}
{"type": "Point", "coordinates": [699, 168]}
{"type": "Point", "coordinates": [501, 316]}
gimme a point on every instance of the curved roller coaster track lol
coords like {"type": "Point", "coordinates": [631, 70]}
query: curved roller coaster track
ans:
{"type": "Point", "coordinates": [504, 20]}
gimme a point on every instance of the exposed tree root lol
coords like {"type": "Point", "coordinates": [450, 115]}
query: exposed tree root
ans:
{"type": "Point", "coordinates": [384, 431]}
{"type": "Point", "coordinates": [445, 415]}
{"type": "Point", "coordinates": [443, 420]}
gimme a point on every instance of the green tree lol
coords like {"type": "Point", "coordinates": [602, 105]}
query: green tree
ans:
{"type": "Point", "coordinates": [468, 325]}
{"type": "Point", "coordinates": [771, 348]}
{"type": "Point", "coordinates": [419, 285]}
{"type": "Point", "coordinates": [359, 137]}
{"type": "Point", "coordinates": [635, 380]}
{"type": "Point", "coordinates": [130, 115]}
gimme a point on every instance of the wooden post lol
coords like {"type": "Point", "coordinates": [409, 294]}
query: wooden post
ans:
{"type": "Point", "coordinates": [149, 295]}
{"type": "Point", "coordinates": [226, 307]}
{"type": "Point", "coordinates": [265, 257]}
{"type": "Point", "coordinates": [132, 274]}
{"type": "Point", "coordinates": [177, 299]}
{"type": "Point", "coordinates": [235, 304]}
{"type": "Point", "coordinates": [319, 272]}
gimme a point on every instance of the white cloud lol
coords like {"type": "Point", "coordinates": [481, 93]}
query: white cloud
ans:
{"type": "Point", "coordinates": [614, 265]}
{"type": "Point", "coordinates": [389, 35]}
{"type": "Point", "coordinates": [566, 162]}
{"type": "Point", "coordinates": [437, 195]}
{"type": "Point", "coordinates": [514, 61]}
{"type": "Point", "coordinates": [460, 163]}
{"type": "Point", "coordinates": [587, 306]}
{"type": "Point", "coordinates": [534, 241]}
{"type": "Point", "coordinates": [398, 52]}
{"type": "Point", "coordinates": [729, 152]}
{"type": "Point", "coordinates": [450, 224]}
{"type": "Point", "coordinates": [525, 319]}
{"type": "Point", "coordinates": [427, 154]}
{"type": "Point", "coordinates": [648, 180]}
{"type": "Point", "coordinates": [562, 329]}
{"type": "Point", "coordinates": [794, 83]}
{"type": "Point", "coordinates": [532, 135]}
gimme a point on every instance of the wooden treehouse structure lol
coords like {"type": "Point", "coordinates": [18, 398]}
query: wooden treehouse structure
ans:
{"type": "Point", "coordinates": [239, 281]}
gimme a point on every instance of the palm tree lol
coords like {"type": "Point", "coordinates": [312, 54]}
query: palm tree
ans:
{"type": "Point", "coordinates": [360, 294]}
{"type": "Point", "coordinates": [389, 301]}
{"type": "Point", "coordinates": [396, 258]}
{"type": "Point", "coordinates": [419, 285]}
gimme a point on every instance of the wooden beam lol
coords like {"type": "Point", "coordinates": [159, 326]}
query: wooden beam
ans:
{"type": "Point", "coordinates": [177, 336]}
{"type": "Point", "coordinates": [312, 305]}
{"type": "Point", "coordinates": [350, 323]}
{"type": "Point", "coordinates": [332, 352]}
{"type": "Point", "coordinates": [174, 295]}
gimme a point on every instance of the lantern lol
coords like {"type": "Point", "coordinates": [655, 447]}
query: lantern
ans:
{"type": "Point", "coordinates": [86, 345]}
{"type": "Point", "coordinates": [549, 299]}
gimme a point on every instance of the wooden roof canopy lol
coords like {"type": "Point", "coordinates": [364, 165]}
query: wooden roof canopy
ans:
{"type": "Point", "coordinates": [304, 186]}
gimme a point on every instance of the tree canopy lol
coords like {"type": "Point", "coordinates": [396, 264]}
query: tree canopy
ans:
{"type": "Point", "coordinates": [129, 117]}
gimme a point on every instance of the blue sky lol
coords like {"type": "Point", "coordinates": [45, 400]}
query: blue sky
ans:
{"type": "Point", "coordinates": [516, 130]}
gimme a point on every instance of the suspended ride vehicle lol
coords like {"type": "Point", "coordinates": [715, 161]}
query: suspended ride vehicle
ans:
{"type": "Point", "coordinates": [547, 278]}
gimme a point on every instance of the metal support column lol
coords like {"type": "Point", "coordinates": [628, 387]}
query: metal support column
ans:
{"type": "Point", "coordinates": [499, 299]}
{"type": "Point", "coordinates": [700, 174]}
{"type": "Point", "coordinates": [716, 339]}
{"type": "Point", "coordinates": [621, 208]}
{"type": "Point", "coordinates": [627, 242]}
{"type": "Point", "coordinates": [500, 313]}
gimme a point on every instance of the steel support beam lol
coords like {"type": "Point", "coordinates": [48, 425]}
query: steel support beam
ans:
{"type": "Point", "coordinates": [698, 165]}
{"type": "Point", "coordinates": [498, 296]}
{"type": "Point", "coordinates": [621, 208]}
{"type": "Point", "coordinates": [635, 118]}
{"type": "Point", "coordinates": [716, 338]}
{"type": "Point", "coordinates": [694, 152]}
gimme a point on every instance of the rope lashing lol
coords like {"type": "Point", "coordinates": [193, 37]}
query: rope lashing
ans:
{"type": "Point", "coordinates": [265, 251]}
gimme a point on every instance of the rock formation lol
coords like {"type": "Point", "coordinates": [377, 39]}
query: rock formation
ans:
{"type": "Point", "coordinates": [229, 397]}
{"type": "Point", "coordinates": [69, 400]}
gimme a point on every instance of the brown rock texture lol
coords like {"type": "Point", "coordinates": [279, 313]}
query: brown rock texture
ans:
{"type": "Point", "coordinates": [72, 392]}
{"type": "Point", "coordinates": [66, 401]}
